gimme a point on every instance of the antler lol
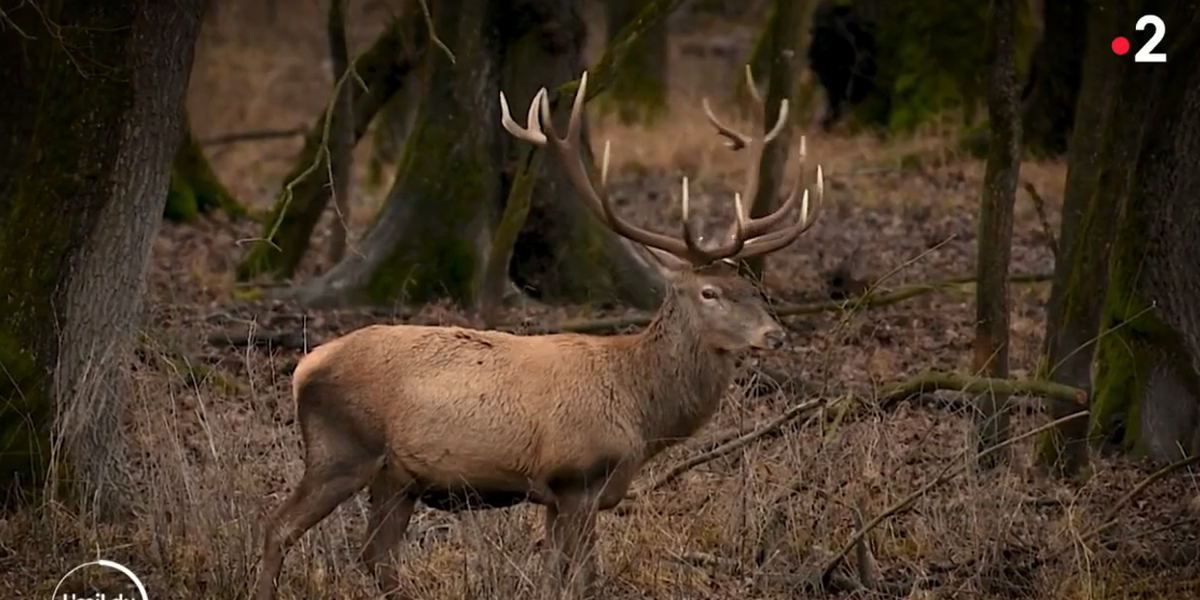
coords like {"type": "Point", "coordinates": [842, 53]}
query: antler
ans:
{"type": "Point", "coordinates": [752, 236]}
{"type": "Point", "coordinates": [737, 140]}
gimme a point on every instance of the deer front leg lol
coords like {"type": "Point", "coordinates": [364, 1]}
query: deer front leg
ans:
{"type": "Point", "coordinates": [570, 537]}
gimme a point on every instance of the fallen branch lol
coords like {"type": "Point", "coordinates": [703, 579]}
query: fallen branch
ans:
{"type": "Point", "coordinates": [249, 336]}
{"type": "Point", "coordinates": [253, 136]}
{"type": "Point", "coordinates": [769, 428]}
{"type": "Point", "coordinates": [870, 300]}
{"type": "Point", "coordinates": [938, 380]}
{"type": "Point", "coordinates": [944, 476]}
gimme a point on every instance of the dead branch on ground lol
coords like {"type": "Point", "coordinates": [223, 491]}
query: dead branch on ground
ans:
{"type": "Point", "coordinates": [939, 380]}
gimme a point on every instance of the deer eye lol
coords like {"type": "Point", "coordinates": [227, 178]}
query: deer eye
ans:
{"type": "Point", "coordinates": [709, 293]}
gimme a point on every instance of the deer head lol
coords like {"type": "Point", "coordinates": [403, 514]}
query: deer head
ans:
{"type": "Point", "coordinates": [706, 294]}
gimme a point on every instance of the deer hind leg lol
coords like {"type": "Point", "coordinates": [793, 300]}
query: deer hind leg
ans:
{"type": "Point", "coordinates": [335, 468]}
{"type": "Point", "coordinates": [391, 510]}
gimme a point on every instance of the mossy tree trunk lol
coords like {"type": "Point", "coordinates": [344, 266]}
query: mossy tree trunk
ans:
{"type": "Point", "coordinates": [1147, 384]}
{"type": "Point", "coordinates": [433, 236]}
{"type": "Point", "coordinates": [1102, 155]}
{"type": "Point", "coordinates": [639, 92]}
{"type": "Point", "coordinates": [72, 273]}
{"type": "Point", "coordinates": [303, 196]}
{"type": "Point", "coordinates": [991, 343]}
{"type": "Point", "coordinates": [430, 238]}
{"type": "Point", "coordinates": [195, 188]}
{"type": "Point", "coordinates": [1055, 76]}
{"type": "Point", "coordinates": [563, 253]}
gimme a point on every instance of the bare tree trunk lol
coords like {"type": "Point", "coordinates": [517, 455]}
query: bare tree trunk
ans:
{"type": "Point", "coordinates": [639, 91]}
{"type": "Point", "coordinates": [995, 227]}
{"type": "Point", "coordinates": [1054, 80]}
{"type": "Point", "coordinates": [73, 279]}
{"type": "Point", "coordinates": [1103, 154]}
{"type": "Point", "coordinates": [341, 146]}
{"type": "Point", "coordinates": [1147, 382]}
{"type": "Point", "coordinates": [303, 197]}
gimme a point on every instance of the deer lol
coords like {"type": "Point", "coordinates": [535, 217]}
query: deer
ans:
{"type": "Point", "coordinates": [464, 419]}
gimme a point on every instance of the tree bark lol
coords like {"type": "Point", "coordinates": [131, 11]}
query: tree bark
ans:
{"type": "Point", "coordinates": [1055, 77]}
{"type": "Point", "coordinates": [195, 188]}
{"type": "Point", "coordinates": [302, 198]}
{"type": "Point", "coordinates": [429, 239]}
{"type": "Point", "coordinates": [117, 73]}
{"type": "Point", "coordinates": [432, 239]}
{"type": "Point", "coordinates": [639, 91]}
{"type": "Point", "coordinates": [995, 228]}
{"type": "Point", "coordinates": [341, 144]}
{"type": "Point", "coordinates": [1103, 153]}
{"type": "Point", "coordinates": [1147, 383]}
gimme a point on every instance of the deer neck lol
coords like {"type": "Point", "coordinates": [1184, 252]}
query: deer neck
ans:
{"type": "Point", "coordinates": [679, 380]}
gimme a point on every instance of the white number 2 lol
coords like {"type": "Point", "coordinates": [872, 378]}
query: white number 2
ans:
{"type": "Point", "coordinates": [1147, 53]}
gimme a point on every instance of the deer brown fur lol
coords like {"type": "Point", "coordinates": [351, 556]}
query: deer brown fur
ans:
{"type": "Point", "coordinates": [466, 419]}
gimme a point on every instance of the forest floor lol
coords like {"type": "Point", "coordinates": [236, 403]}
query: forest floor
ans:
{"type": "Point", "coordinates": [216, 445]}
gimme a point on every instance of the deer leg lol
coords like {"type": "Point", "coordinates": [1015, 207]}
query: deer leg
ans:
{"type": "Point", "coordinates": [391, 510]}
{"type": "Point", "coordinates": [555, 569]}
{"type": "Point", "coordinates": [570, 529]}
{"type": "Point", "coordinates": [321, 489]}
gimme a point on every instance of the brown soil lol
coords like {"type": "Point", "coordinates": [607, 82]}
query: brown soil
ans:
{"type": "Point", "coordinates": [217, 447]}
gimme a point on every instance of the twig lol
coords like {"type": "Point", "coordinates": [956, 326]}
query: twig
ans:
{"type": "Point", "coordinates": [437, 41]}
{"type": "Point", "coordinates": [771, 427]}
{"type": "Point", "coordinates": [936, 380]}
{"type": "Point", "coordinates": [946, 475]}
{"type": "Point", "coordinates": [1039, 205]}
{"type": "Point", "coordinates": [1110, 516]}
{"type": "Point", "coordinates": [870, 300]}
{"type": "Point", "coordinates": [253, 136]}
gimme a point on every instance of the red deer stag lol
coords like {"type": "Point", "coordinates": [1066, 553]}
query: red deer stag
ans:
{"type": "Point", "coordinates": [464, 419]}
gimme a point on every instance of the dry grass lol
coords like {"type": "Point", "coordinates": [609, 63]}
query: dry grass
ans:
{"type": "Point", "coordinates": [216, 451]}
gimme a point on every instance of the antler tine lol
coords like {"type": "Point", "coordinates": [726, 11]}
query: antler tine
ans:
{"type": "Point", "coordinates": [737, 139]}
{"type": "Point", "coordinates": [532, 132]}
{"type": "Point", "coordinates": [567, 149]}
{"type": "Point", "coordinates": [782, 238]}
{"type": "Point", "coordinates": [752, 86]}
{"type": "Point", "coordinates": [762, 225]}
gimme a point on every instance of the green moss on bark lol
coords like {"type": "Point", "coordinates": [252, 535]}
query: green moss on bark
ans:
{"type": "Point", "coordinates": [195, 188]}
